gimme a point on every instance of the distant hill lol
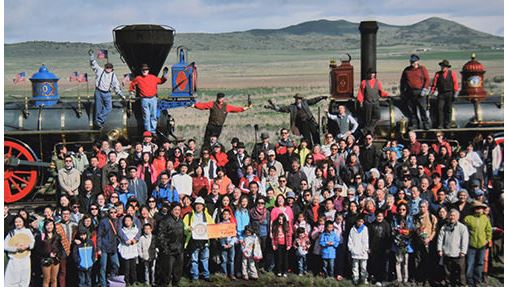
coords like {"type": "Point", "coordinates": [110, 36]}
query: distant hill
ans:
{"type": "Point", "coordinates": [313, 35]}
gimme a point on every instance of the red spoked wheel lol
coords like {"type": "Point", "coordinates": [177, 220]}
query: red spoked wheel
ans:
{"type": "Point", "coordinates": [20, 180]}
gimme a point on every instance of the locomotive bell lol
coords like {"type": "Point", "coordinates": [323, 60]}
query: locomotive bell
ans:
{"type": "Point", "coordinates": [44, 87]}
{"type": "Point", "coordinates": [472, 80]}
{"type": "Point", "coordinates": [341, 79]}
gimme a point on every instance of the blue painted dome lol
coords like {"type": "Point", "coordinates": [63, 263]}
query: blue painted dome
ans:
{"type": "Point", "coordinates": [43, 75]}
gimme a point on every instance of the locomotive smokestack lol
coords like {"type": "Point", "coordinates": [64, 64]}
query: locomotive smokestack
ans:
{"type": "Point", "coordinates": [144, 44]}
{"type": "Point", "coordinates": [368, 29]}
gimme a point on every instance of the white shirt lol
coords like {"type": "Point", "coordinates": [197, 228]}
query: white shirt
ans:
{"type": "Point", "coordinates": [182, 183]}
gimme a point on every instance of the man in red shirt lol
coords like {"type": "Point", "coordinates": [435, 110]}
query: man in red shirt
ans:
{"type": "Point", "coordinates": [414, 86]}
{"type": "Point", "coordinates": [146, 85]}
{"type": "Point", "coordinates": [219, 109]}
{"type": "Point", "coordinates": [368, 96]}
{"type": "Point", "coordinates": [447, 85]}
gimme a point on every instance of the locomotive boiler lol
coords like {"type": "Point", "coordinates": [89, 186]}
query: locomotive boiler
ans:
{"type": "Point", "coordinates": [34, 125]}
{"type": "Point", "coordinates": [474, 112]}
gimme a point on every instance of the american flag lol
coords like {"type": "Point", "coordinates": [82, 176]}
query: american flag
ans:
{"type": "Point", "coordinates": [127, 78]}
{"type": "Point", "coordinates": [102, 54]}
{"type": "Point", "coordinates": [74, 77]}
{"type": "Point", "coordinates": [20, 77]}
{"type": "Point", "coordinates": [83, 78]}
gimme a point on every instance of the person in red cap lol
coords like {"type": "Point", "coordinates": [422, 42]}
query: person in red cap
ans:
{"type": "Point", "coordinates": [219, 109]}
{"type": "Point", "coordinates": [148, 145]}
{"type": "Point", "coordinates": [146, 84]}
{"type": "Point", "coordinates": [368, 96]}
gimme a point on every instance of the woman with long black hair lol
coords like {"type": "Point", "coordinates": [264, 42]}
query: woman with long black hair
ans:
{"type": "Point", "coordinates": [49, 247]}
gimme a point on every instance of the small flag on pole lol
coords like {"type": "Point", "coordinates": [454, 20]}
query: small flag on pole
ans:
{"type": "Point", "coordinates": [102, 54]}
{"type": "Point", "coordinates": [74, 77]}
{"type": "Point", "coordinates": [20, 77]}
{"type": "Point", "coordinates": [127, 78]}
{"type": "Point", "coordinates": [83, 78]}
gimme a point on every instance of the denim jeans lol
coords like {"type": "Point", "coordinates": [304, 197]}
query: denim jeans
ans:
{"type": "Point", "coordinates": [302, 263]}
{"type": "Point", "coordinates": [475, 259]}
{"type": "Point", "coordinates": [103, 107]}
{"type": "Point", "coordinates": [328, 266]}
{"type": "Point", "coordinates": [115, 265]}
{"type": "Point", "coordinates": [200, 255]}
{"type": "Point", "coordinates": [228, 261]}
{"type": "Point", "coordinates": [149, 268]}
{"type": "Point", "coordinates": [149, 106]}
{"type": "Point", "coordinates": [85, 278]}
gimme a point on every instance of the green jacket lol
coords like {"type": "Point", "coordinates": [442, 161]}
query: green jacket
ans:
{"type": "Point", "coordinates": [188, 221]}
{"type": "Point", "coordinates": [480, 230]}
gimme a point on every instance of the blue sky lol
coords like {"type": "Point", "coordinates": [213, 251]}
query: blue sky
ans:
{"type": "Point", "coordinates": [93, 20]}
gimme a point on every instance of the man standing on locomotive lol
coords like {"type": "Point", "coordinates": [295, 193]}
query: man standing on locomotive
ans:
{"type": "Point", "coordinates": [147, 87]}
{"type": "Point", "coordinates": [301, 119]}
{"type": "Point", "coordinates": [105, 80]}
{"type": "Point", "coordinates": [219, 109]}
{"type": "Point", "coordinates": [447, 85]}
{"type": "Point", "coordinates": [414, 86]}
{"type": "Point", "coordinates": [368, 96]}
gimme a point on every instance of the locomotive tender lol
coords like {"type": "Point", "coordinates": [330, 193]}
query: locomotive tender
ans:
{"type": "Point", "coordinates": [33, 126]}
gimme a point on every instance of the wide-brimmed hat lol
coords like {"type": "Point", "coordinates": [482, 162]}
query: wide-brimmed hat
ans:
{"type": "Point", "coordinates": [445, 63]}
{"type": "Point", "coordinates": [240, 145]}
{"type": "Point", "coordinates": [371, 71]}
{"type": "Point", "coordinates": [264, 136]}
{"type": "Point", "coordinates": [298, 96]}
{"type": "Point", "coordinates": [478, 204]}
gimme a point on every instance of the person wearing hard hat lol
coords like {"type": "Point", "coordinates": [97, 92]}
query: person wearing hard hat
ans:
{"type": "Point", "coordinates": [105, 80]}
{"type": "Point", "coordinates": [198, 247]}
{"type": "Point", "coordinates": [447, 86]}
{"type": "Point", "coordinates": [414, 86]}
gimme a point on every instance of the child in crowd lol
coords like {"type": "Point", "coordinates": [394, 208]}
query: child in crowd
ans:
{"type": "Point", "coordinates": [281, 242]}
{"type": "Point", "coordinates": [301, 222]}
{"type": "Point", "coordinates": [338, 226]}
{"type": "Point", "coordinates": [128, 249]}
{"type": "Point", "coordinates": [84, 257]}
{"type": "Point", "coordinates": [227, 245]}
{"type": "Point", "coordinates": [329, 243]}
{"type": "Point", "coordinates": [251, 250]}
{"type": "Point", "coordinates": [302, 246]}
{"type": "Point", "coordinates": [147, 253]}
{"type": "Point", "coordinates": [316, 249]}
{"type": "Point", "coordinates": [358, 245]}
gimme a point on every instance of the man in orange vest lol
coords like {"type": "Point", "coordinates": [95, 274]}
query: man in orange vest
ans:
{"type": "Point", "coordinates": [368, 96]}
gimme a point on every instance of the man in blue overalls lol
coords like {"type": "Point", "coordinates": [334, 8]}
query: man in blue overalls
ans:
{"type": "Point", "coordinates": [105, 80]}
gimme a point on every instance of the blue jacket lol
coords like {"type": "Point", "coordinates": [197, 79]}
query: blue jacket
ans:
{"type": "Point", "coordinates": [242, 220]}
{"type": "Point", "coordinates": [139, 190]}
{"type": "Point", "coordinates": [124, 197]}
{"type": "Point", "coordinates": [84, 255]}
{"type": "Point", "coordinates": [328, 251]}
{"type": "Point", "coordinates": [107, 239]}
{"type": "Point", "coordinates": [169, 193]}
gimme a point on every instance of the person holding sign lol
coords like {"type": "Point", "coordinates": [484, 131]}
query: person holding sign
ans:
{"type": "Point", "coordinates": [196, 234]}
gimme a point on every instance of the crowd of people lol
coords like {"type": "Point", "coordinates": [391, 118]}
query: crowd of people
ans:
{"type": "Point", "coordinates": [421, 212]}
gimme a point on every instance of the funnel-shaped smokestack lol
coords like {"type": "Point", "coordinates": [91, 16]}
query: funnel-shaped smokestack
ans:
{"type": "Point", "coordinates": [144, 44]}
{"type": "Point", "coordinates": [368, 29]}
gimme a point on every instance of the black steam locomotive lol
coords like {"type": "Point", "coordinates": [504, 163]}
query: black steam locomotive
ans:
{"type": "Point", "coordinates": [33, 126]}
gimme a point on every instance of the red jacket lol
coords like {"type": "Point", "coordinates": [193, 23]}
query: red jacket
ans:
{"type": "Point", "coordinates": [209, 105]}
{"type": "Point", "coordinates": [147, 85]}
{"type": "Point", "coordinates": [221, 158]}
{"type": "Point", "coordinates": [414, 79]}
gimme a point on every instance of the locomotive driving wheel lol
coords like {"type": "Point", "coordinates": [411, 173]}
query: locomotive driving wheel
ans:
{"type": "Point", "coordinates": [20, 177]}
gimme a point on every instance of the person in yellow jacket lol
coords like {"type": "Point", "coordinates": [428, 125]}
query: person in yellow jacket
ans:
{"type": "Point", "coordinates": [196, 239]}
{"type": "Point", "coordinates": [480, 233]}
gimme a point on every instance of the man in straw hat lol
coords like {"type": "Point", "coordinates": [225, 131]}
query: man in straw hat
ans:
{"type": "Point", "coordinates": [480, 233]}
{"type": "Point", "coordinates": [447, 85]}
{"type": "Point", "coordinates": [301, 119]}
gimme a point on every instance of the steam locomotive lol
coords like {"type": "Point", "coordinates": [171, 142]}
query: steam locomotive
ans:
{"type": "Point", "coordinates": [474, 112]}
{"type": "Point", "coordinates": [34, 126]}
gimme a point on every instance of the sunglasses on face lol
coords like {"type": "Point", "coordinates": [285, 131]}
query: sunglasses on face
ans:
{"type": "Point", "coordinates": [261, 202]}
{"type": "Point", "coordinates": [75, 206]}
{"type": "Point", "coordinates": [112, 212]}
{"type": "Point", "coordinates": [114, 196]}
{"type": "Point", "coordinates": [124, 183]}
{"type": "Point", "coordinates": [93, 208]}
{"type": "Point", "coordinates": [68, 160]}
{"type": "Point", "coordinates": [151, 201]}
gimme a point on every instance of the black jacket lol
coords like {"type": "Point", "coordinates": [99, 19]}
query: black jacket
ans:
{"type": "Point", "coordinates": [379, 236]}
{"type": "Point", "coordinates": [170, 237]}
{"type": "Point", "coordinates": [96, 176]}
{"type": "Point", "coordinates": [369, 157]}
